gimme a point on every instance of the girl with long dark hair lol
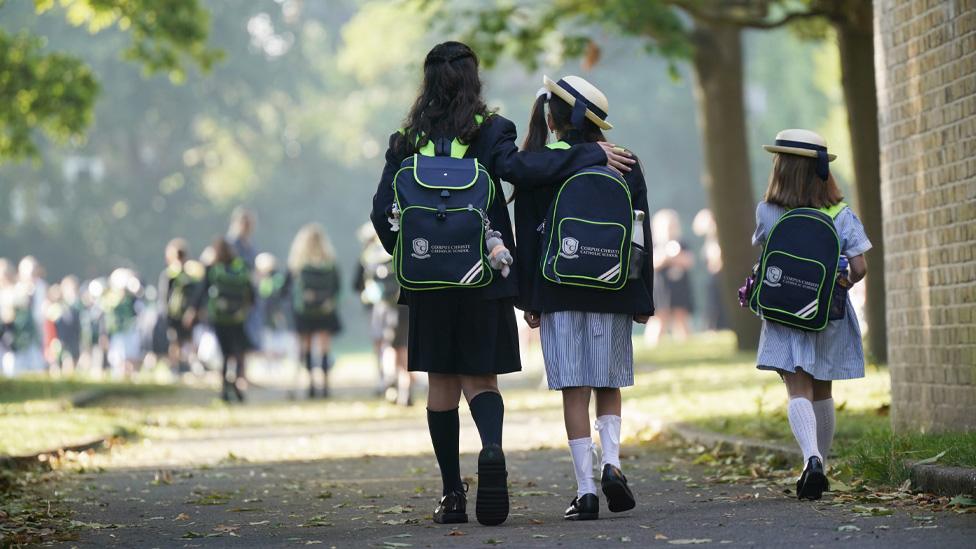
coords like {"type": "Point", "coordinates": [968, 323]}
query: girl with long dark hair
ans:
{"type": "Point", "coordinates": [464, 337]}
{"type": "Point", "coordinates": [585, 332]}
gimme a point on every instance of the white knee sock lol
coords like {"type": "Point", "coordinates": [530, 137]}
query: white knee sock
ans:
{"type": "Point", "coordinates": [824, 410]}
{"type": "Point", "coordinates": [583, 464]}
{"type": "Point", "coordinates": [803, 421]}
{"type": "Point", "coordinates": [609, 429]}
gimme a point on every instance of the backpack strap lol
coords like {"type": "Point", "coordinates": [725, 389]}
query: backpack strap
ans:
{"type": "Point", "coordinates": [834, 211]}
{"type": "Point", "coordinates": [443, 147]}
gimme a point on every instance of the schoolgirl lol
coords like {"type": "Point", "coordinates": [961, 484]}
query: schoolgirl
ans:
{"type": "Point", "coordinates": [228, 296]}
{"type": "Point", "coordinates": [463, 338]}
{"type": "Point", "coordinates": [586, 332]}
{"type": "Point", "coordinates": [313, 281]}
{"type": "Point", "coordinates": [176, 287]}
{"type": "Point", "coordinates": [807, 361]}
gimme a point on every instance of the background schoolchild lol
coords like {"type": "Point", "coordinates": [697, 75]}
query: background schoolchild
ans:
{"type": "Point", "coordinates": [389, 322]}
{"type": "Point", "coordinates": [228, 296]}
{"type": "Point", "coordinates": [122, 304]}
{"type": "Point", "coordinates": [464, 338]}
{"type": "Point", "coordinates": [673, 261]}
{"type": "Point", "coordinates": [313, 281]}
{"type": "Point", "coordinates": [273, 307]}
{"type": "Point", "coordinates": [807, 361]}
{"type": "Point", "coordinates": [586, 333]}
{"type": "Point", "coordinates": [715, 315]}
{"type": "Point", "coordinates": [178, 282]}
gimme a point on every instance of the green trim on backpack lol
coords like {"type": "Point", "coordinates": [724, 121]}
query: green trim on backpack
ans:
{"type": "Point", "coordinates": [834, 210]}
{"type": "Point", "coordinates": [458, 149]}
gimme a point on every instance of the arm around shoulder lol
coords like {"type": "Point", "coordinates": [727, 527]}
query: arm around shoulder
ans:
{"type": "Point", "coordinates": [537, 168]}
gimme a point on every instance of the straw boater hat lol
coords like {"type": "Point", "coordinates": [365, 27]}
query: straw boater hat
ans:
{"type": "Point", "coordinates": [804, 143]}
{"type": "Point", "coordinates": [584, 97]}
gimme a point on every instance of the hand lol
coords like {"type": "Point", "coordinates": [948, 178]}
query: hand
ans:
{"type": "Point", "coordinates": [618, 158]}
{"type": "Point", "coordinates": [532, 319]}
{"type": "Point", "coordinates": [641, 319]}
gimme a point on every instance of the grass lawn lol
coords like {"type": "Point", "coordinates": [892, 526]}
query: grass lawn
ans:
{"type": "Point", "coordinates": [36, 412]}
{"type": "Point", "coordinates": [706, 383]}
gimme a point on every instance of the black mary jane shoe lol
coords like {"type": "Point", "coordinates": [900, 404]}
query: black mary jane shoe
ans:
{"type": "Point", "coordinates": [583, 508]}
{"type": "Point", "coordinates": [452, 509]}
{"type": "Point", "coordinates": [619, 496]}
{"type": "Point", "coordinates": [812, 482]}
{"type": "Point", "coordinates": [491, 505]}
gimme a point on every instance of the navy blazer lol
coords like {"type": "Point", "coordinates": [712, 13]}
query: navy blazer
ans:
{"type": "Point", "coordinates": [495, 149]}
{"type": "Point", "coordinates": [539, 295]}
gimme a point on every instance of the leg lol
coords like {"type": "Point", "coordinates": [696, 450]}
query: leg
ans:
{"type": "Point", "coordinates": [823, 408]}
{"type": "Point", "coordinates": [404, 377]}
{"type": "Point", "coordinates": [444, 393]}
{"type": "Point", "coordinates": [680, 325]}
{"type": "Point", "coordinates": [803, 421]}
{"type": "Point", "coordinates": [305, 346]}
{"type": "Point", "coordinates": [486, 405]}
{"type": "Point", "coordinates": [488, 411]}
{"type": "Point", "coordinates": [608, 424]}
{"type": "Point", "coordinates": [325, 347]}
{"type": "Point", "coordinates": [576, 414]}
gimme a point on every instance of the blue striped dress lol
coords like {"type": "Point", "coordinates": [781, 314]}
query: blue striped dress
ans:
{"type": "Point", "coordinates": [836, 352]}
{"type": "Point", "coordinates": [586, 349]}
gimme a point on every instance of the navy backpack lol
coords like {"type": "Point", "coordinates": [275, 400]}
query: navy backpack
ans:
{"type": "Point", "coordinates": [587, 234]}
{"type": "Point", "coordinates": [443, 200]}
{"type": "Point", "coordinates": [796, 273]}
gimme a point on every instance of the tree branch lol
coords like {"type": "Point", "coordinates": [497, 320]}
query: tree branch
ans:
{"type": "Point", "coordinates": [752, 23]}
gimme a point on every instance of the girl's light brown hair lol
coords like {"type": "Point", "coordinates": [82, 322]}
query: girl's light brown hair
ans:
{"type": "Point", "coordinates": [794, 183]}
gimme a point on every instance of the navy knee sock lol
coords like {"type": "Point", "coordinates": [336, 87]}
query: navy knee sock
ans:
{"type": "Point", "coordinates": [308, 359]}
{"type": "Point", "coordinates": [488, 411]}
{"type": "Point", "coordinates": [445, 430]}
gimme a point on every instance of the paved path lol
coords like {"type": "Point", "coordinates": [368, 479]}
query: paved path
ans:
{"type": "Point", "coordinates": [259, 487]}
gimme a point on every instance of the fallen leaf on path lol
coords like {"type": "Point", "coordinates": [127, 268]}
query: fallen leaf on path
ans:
{"type": "Point", "coordinates": [660, 536]}
{"type": "Point", "coordinates": [258, 523]}
{"type": "Point", "coordinates": [932, 459]}
{"type": "Point", "coordinates": [456, 533]}
{"type": "Point", "coordinates": [539, 536]}
{"type": "Point", "coordinates": [691, 541]}
{"type": "Point", "coordinates": [493, 541]}
{"type": "Point", "coordinates": [625, 539]}
{"type": "Point", "coordinates": [395, 544]}
{"type": "Point", "coordinates": [225, 528]}
{"type": "Point", "coordinates": [324, 495]}
{"type": "Point", "coordinates": [395, 510]}
{"type": "Point", "coordinates": [963, 501]}
{"type": "Point", "coordinates": [536, 521]}
{"type": "Point", "coordinates": [848, 528]}
{"type": "Point", "coordinates": [93, 525]}
{"type": "Point", "coordinates": [190, 534]}
{"type": "Point", "coordinates": [182, 516]}
{"type": "Point", "coordinates": [867, 511]}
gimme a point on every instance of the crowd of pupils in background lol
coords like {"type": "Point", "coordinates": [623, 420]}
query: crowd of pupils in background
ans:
{"type": "Point", "coordinates": [120, 324]}
{"type": "Point", "coordinates": [219, 308]}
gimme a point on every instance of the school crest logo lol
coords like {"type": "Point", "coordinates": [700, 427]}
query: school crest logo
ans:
{"type": "Point", "coordinates": [569, 248]}
{"type": "Point", "coordinates": [773, 276]}
{"type": "Point", "coordinates": [421, 248]}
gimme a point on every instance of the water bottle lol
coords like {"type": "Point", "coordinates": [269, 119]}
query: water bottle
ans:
{"type": "Point", "coordinates": [838, 303]}
{"type": "Point", "coordinates": [638, 255]}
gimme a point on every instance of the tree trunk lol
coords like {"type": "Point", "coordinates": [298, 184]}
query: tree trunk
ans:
{"type": "Point", "coordinates": [721, 118]}
{"type": "Point", "coordinates": [856, 44]}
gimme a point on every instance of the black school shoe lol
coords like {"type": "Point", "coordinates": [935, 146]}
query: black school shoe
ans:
{"type": "Point", "coordinates": [813, 482]}
{"type": "Point", "coordinates": [619, 496]}
{"type": "Point", "coordinates": [491, 507]}
{"type": "Point", "coordinates": [452, 508]}
{"type": "Point", "coordinates": [583, 508]}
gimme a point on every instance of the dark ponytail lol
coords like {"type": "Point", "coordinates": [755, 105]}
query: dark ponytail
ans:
{"type": "Point", "coordinates": [538, 134]}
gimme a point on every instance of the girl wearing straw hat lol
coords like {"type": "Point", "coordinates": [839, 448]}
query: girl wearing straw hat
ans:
{"type": "Point", "coordinates": [465, 337]}
{"type": "Point", "coordinates": [809, 361]}
{"type": "Point", "coordinates": [585, 332]}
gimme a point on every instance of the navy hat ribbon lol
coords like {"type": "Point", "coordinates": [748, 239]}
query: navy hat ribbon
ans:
{"type": "Point", "coordinates": [823, 163]}
{"type": "Point", "coordinates": [579, 108]}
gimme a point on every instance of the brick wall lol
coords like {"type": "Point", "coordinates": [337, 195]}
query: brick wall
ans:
{"type": "Point", "coordinates": [926, 75]}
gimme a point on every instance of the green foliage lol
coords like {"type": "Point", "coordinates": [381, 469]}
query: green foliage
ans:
{"type": "Point", "coordinates": [53, 93]}
{"type": "Point", "coordinates": [163, 35]}
{"type": "Point", "coordinates": [50, 92]}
